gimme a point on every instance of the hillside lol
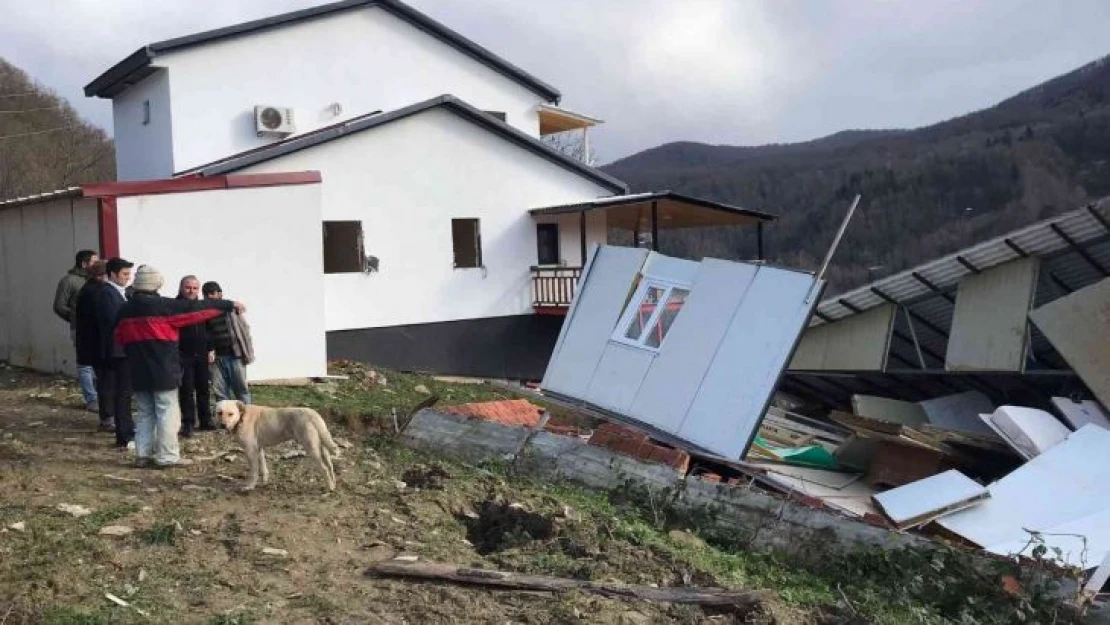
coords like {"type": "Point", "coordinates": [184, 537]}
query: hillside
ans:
{"type": "Point", "coordinates": [926, 192]}
{"type": "Point", "coordinates": [44, 144]}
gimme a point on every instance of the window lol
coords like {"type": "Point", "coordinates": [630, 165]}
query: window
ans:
{"type": "Point", "coordinates": [146, 112]}
{"type": "Point", "coordinates": [650, 314]}
{"type": "Point", "coordinates": [547, 244]}
{"type": "Point", "coordinates": [466, 239]}
{"type": "Point", "coordinates": [343, 252]}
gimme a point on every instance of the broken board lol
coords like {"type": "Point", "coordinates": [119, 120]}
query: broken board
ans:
{"type": "Point", "coordinates": [1080, 413]}
{"type": "Point", "coordinates": [1078, 325]}
{"type": "Point", "coordinates": [922, 501]}
{"type": "Point", "coordinates": [989, 327]}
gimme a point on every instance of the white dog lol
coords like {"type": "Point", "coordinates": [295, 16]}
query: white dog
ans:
{"type": "Point", "coordinates": [259, 427]}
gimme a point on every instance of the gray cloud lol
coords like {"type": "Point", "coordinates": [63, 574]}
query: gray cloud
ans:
{"type": "Point", "coordinates": [715, 71]}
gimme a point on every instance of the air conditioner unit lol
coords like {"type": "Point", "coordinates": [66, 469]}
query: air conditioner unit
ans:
{"type": "Point", "coordinates": [273, 120]}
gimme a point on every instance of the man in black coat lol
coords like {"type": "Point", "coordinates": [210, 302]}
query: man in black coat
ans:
{"type": "Point", "coordinates": [115, 384]}
{"type": "Point", "coordinates": [193, 348]}
{"type": "Point", "coordinates": [87, 334]}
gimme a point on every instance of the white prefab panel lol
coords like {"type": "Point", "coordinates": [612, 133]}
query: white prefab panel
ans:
{"type": "Point", "coordinates": [677, 372]}
{"type": "Point", "coordinates": [601, 298]}
{"type": "Point", "coordinates": [856, 343]}
{"type": "Point", "coordinates": [1029, 431]}
{"type": "Point", "coordinates": [885, 409]}
{"type": "Point", "coordinates": [989, 323]}
{"type": "Point", "coordinates": [959, 412]}
{"type": "Point", "coordinates": [405, 182]}
{"type": "Point", "coordinates": [143, 130]}
{"type": "Point", "coordinates": [1080, 413]}
{"type": "Point", "coordinates": [1078, 325]}
{"type": "Point", "coordinates": [262, 244]}
{"type": "Point", "coordinates": [671, 269]}
{"type": "Point", "coordinates": [618, 376]}
{"type": "Point", "coordinates": [363, 60]}
{"type": "Point", "coordinates": [746, 368]}
{"type": "Point", "coordinates": [1065, 487]}
{"type": "Point", "coordinates": [917, 501]}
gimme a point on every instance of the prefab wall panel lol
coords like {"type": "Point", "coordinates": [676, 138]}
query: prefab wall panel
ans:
{"type": "Point", "coordinates": [1078, 326]}
{"type": "Point", "coordinates": [38, 243]}
{"type": "Point", "coordinates": [990, 328]}
{"type": "Point", "coordinates": [262, 244]}
{"type": "Point", "coordinates": [856, 343]}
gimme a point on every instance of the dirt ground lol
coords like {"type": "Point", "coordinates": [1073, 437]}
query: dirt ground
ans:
{"type": "Point", "coordinates": [200, 551]}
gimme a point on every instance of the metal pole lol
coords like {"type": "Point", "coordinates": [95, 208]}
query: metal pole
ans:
{"type": "Point", "coordinates": [913, 334]}
{"type": "Point", "coordinates": [654, 226]}
{"type": "Point", "coordinates": [832, 249]}
{"type": "Point", "coordinates": [759, 241]}
{"type": "Point", "coordinates": [582, 233]}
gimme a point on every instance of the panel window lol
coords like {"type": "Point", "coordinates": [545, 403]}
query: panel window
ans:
{"type": "Point", "coordinates": [466, 238]}
{"type": "Point", "coordinates": [498, 114]}
{"type": "Point", "coordinates": [547, 244]}
{"type": "Point", "coordinates": [343, 247]}
{"type": "Point", "coordinates": [651, 313]}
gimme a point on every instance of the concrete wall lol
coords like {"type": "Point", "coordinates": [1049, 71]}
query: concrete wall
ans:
{"type": "Point", "coordinates": [38, 243]}
{"type": "Point", "coordinates": [262, 244]}
{"type": "Point", "coordinates": [405, 181]}
{"type": "Point", "coordinates": [144, 151]}
{"type": "Point", "coordinates": [364, 60]}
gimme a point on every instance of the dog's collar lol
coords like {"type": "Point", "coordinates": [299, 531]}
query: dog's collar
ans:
{"type": "Point", "coordinates": [235, 428]}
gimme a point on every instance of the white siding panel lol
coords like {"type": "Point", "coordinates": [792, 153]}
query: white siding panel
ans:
{"type": "Point", "coordinates": [676, 373]}
{"type": "Point", "coordinates": [38, 294]}
{"type": "Point", "coordinates": [746, 368]}
{"type": "Point", "coordinates": [673, 269]}
{"type": "Point", "coordinates": [857, 343]}
{"type": "Point", "coordinates": [145, 151]}
{"type": "Point", "coordinates": [1078, 326]}
{"type": "Point", "coordinates": [989, 323]}
{"type": "Point", "coordinates": [6, 312]}
{"type": "Point", "coordinates": [15, 261]}
{"type": "Point", "coordinates": [264, 247]}
{"type": "Point", "coordinates": [598, 304]}
{"type": "Point", "coordinates": [618, 376]}
{"type": "Point", "coordinates": [59, 353]}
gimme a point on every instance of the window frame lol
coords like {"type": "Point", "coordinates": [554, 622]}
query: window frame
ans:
{"type": "Point", "coordinates": [360, 243]}
{"type": "Point", "coordinates": [633, 306]}
{"type": "Point", "coordinates": [478, 256]}
{"type": "Point", "coordinates": [558, 244]}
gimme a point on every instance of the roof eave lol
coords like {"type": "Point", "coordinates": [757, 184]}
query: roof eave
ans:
{"type": "Point", "coordinates": [101, 86]}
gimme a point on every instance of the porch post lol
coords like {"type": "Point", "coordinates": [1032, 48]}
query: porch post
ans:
{"type": "Point", "coordinates": [759, 241]}
{"type": "Point", "coordinates": [582, 228]}
{"type": "Point", "coordinates": [654, 226]}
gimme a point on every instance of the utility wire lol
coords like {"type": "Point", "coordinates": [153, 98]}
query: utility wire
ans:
{"type": "Point", "coordinates": [44, 108]}
{"type": "Point", "coordinates": [38, 132]}
{"type": "Point", "coordinates": [18, 95]}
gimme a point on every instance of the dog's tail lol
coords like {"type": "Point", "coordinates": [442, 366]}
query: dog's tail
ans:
{"type": "Point", "coordinates": [325, 435]}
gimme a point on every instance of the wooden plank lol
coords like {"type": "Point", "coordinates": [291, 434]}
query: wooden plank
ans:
{"type": "Point", "coordinates": [989, 327]}
{"type": "Point", "coordinates": [734, 394]}
{"type": "Point", "coordinates": [856, 343]}
{"type": "Point", "coordinates": [1071, 323]}
{"type": "Point", "coordinates": [675, 375]}
{"type": "Point", "coordinates": [589, 324]}
{"type": "Point", "coordinates": [518, 581]}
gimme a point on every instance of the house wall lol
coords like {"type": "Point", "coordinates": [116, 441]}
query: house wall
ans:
{"type": "Point", "coordinates": [38, 243]}
{"type": "Point", "coordinates": [144, 151]}
{"type": "Point", "coordinates": [405, 181]}
{"type": "Point", "coordinates": [262, 244]}
{"type": "Point", "coordinates": [570, 237]}
{"type": "Point", "coordinates": [364, 60]}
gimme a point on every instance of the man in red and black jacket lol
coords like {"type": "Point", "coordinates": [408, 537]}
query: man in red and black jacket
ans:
{"type": "Point", "coordinates": [148, 329]}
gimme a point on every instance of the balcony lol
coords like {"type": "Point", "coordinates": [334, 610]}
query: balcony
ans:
{"type": "Point", "coordinates": [553, 289]}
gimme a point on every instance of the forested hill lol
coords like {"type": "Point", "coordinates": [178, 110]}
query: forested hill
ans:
{"type": "Point", "coordinates": [926, 192]}
{"type": "Point", "coordinates": [44, 144]}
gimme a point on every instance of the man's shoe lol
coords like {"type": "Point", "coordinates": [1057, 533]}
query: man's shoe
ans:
{"type": "Point", "coordinates": [108, 426]}
{"type": "Point", "coordinates": [181, 462]}
{"type": "Point", "coordinates": [144, 463]}
{"type": "Point", "coordinates": [186, 433]}
{"type": "Point", "coordinates": [92, 406]}
{"type": "Point", "coordinates": [207, 426]}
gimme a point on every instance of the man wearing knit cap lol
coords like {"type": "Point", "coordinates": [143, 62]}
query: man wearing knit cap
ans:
{"type": "Point", "coordinates": [148, 329]}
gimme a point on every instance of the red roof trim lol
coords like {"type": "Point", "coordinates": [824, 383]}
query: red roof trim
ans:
{"type": "Point", "coordinates": [196, 183]}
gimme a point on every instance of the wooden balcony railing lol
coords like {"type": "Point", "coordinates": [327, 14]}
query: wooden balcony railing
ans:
{"type": "Point", "coordinates": [553, 287]}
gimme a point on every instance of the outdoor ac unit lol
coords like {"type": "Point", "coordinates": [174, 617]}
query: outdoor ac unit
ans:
{"type": "Point", "coordinates": [273, 120]}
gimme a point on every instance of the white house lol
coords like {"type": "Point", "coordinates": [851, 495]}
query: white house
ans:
{"type": "Point", "coordinates": [449, 236]}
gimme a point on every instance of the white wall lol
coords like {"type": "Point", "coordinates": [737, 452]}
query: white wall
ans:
{"type": "Point", "coordinates": [262, 244]}
{"type": "Point", "coordinates": [38, 243]}
{"type": "Point", "coordinates": [365, 60]}
{"type": "Point", "coordinates": [570, 234]}
{"type": "Point", "coordinates": [405, 181]}
{"type": "Point", "coordinates": [144, 151]}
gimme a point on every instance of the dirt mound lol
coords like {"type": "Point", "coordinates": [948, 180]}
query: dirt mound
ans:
{"type": "Point", "coordinates": [497, 525]}
{"type": "Point", "coordinates": [426, 478]}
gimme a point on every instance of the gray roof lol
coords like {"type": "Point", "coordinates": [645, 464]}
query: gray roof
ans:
{"type": "Point", "coordinates": [136, 67]}
{"type": "Point", "coordinates": [40, 197]}
{"type": "Point", "coordinates": [239, 161]}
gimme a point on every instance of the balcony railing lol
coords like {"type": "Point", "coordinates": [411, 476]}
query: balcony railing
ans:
{"type": "Point", "coordinates": [553, 287]}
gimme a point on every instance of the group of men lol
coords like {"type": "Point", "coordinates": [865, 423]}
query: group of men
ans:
{"type": "Point", "coordinates": [134, 345]}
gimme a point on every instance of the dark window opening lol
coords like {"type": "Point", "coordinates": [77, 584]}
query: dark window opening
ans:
{"type": "Point", "coordinates": [498, 114]}
{"type": "Point", "coordinates": [467, 241]}
{"type": "Point", "coordinates": [146, 112]}
{"type": "Point", "coordinates": [547, 244]}
{"type": "Point", "coordinates": [343, 252]}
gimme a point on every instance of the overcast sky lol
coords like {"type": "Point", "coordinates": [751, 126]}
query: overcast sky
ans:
{"type": "Point", "coordinates": [716, 71]}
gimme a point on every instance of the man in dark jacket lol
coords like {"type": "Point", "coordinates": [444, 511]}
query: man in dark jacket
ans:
{"type": "Point", "coordinates": [65, 299]}
{"type": "Point", "coordinates": [87, 334]}
{"type": "Point", "coordinates": [230, 342]}
{"type": "Point", "coordinates": [193, 348]}
{"type": "Point", "coordinates": [115, 384]}
{"type": "Point", "coordinates": [149, 330]}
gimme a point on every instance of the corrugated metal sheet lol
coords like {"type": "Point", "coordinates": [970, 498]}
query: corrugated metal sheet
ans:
{"type": "Point", "coordinates": [40, 197]}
